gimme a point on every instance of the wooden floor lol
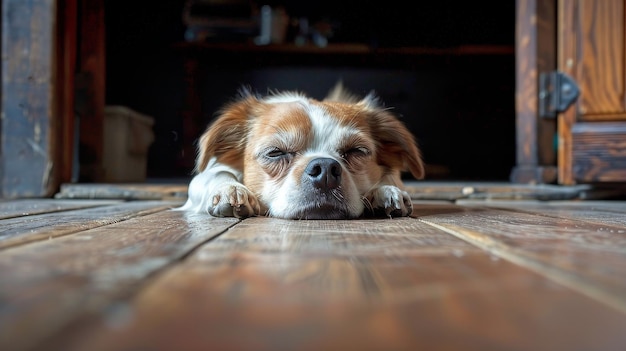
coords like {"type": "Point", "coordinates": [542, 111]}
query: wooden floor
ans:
{"type": "Point", "coordinates": [465, 275]}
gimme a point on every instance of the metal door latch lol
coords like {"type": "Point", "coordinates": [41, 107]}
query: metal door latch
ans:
{"type": "Point", "coordinates": [557, 92]}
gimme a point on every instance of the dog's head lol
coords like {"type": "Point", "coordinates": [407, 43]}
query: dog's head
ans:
{"type": "Point", "coordinates": [305, 158]}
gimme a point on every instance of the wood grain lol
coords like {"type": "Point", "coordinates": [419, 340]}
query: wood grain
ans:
{"type": "Point", "coordinates": [585, 207]}
{"type": "Point", "coordinates": [270, 284]}
{"type": "Point", "coordinates": [568, 62]}
{"type": "Point", "coordinates": [27, 207]}
{"type": "Point", "coordinates": [22, 230]}
{"type": "Point", "coordinates": [592, 50]}
{"type": "Point", "coordinates": [587, 256]}
{"type": "Point", "coordinates": [599, 152]}
{"type": "Point", "coordinates": [597, 212]}
{"type": "Point", "coordinates": [44, 285]}
{"type": "Point", "coordinates": [452, 191]}
{"type": "Point", "coordinates": [27, 130]}
{"type": "Point", "coordinates": [535, 53]}
{"type": "Point", "coordinates": [132, 191]}
{"type": "Point", "coordinates": [602, 57]}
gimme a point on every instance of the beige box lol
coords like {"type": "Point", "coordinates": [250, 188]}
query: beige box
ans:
{"type": "Point", "coordinates": [127, 138]}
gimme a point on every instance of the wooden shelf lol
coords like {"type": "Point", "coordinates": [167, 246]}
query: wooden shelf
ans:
{"type": "Point", "coordinates": [346, 49]}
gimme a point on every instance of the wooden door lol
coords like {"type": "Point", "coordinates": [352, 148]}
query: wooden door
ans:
{"type": "Point", "coordinates": [592, 49]}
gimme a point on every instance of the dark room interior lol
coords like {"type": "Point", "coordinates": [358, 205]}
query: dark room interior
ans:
{"type": "Point", "coordinates": [446, 68]}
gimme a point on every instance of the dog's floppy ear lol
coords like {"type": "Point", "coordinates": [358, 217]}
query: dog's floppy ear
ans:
{"type": "Point", "coordinates": [397, 146]}
{"type": "Point", "coordinates": [226, 137]}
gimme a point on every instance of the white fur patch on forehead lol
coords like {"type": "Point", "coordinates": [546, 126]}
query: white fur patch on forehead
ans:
{"type": "Point", "coordinates": [328, 132]}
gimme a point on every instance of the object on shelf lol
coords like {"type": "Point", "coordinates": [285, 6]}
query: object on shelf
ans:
{"type": "Point", "coordinates": [219, 20]}
{"type": "Point", "coordinates": [318, 33]}
{"type": "Point", "coordinates": [273, 24]}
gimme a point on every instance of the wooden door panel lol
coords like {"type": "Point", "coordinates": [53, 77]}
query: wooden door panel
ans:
{"type": "Point", "coordinates": [592, 50]}
{"type": "Point", "coordinates": [601, 61]}
{"type": "Point", "coordinates": [599, 151]}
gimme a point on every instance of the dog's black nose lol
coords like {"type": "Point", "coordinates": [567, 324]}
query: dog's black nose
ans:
{"type": "Point", "coordinates": [324, 173]}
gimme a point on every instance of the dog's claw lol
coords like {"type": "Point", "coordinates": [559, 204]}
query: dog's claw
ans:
{"type": "Point", "coordinates": [390, 200]}
{"type": "Point", "coordinates": [234, 200]}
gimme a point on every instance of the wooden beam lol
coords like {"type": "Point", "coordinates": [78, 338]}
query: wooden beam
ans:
{"type": "Point", "coordinates": [535, 45]}
{"type": "Point", "coordinates": [567, 54]}
{"type": "Point", "coordinates": [30, 159]}
{"type": "Point", "coordinates": [64, 87]}
{"type": "Point", "coordinates": [90, 88]}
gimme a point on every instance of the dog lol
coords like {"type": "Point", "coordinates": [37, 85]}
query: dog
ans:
{"type": "Point", "coordinates": [290, 156]}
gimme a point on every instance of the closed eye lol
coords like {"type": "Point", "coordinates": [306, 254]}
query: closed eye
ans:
{"type": "Point", "coordinates": [275, 153]}
{"type": "Point", "coordinates": [355, 152]}
{"type": "Point", "coordinates": [275, 161]}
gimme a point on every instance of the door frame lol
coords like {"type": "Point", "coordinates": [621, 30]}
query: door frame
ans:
{"type": "Point", "coordinates": [535, 52]}
{"type": "Point", "coordinates": [46, 44]}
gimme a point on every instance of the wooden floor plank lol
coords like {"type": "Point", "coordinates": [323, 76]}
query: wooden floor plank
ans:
{"type": "Point", "coordinates": [611, 213]}
{"type": "Point", "coordinates": [45, 284]}
{"type": "Point", "coordinates": [20, 230]}
{"type": "Point", "coordinates": [270, 284]}
{"type": "Point", "coordinates": [597, 205]}
{"type": "Point", "coordinates": [425, 190]}
{"type": "Point", "coordinates": [27, 207]}
{"type": "Point", "coordinates": [586, 255]}
{"type": "Point", "coordinates": [132, 191]}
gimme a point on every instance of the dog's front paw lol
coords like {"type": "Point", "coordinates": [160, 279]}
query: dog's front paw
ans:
{"type": "Point", "coordinates": [233, 200]}
{"type": "Point", "coordinates": [390, 201]}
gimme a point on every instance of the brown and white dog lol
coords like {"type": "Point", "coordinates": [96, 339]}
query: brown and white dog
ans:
{"type": "Point", "coordinates": [290, 156]}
